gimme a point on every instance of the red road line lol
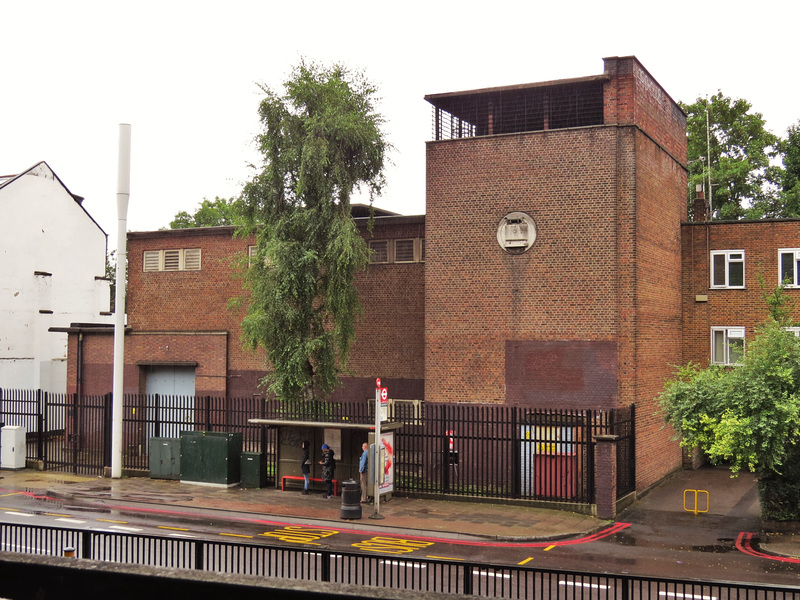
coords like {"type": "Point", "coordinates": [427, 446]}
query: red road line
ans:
{"type": "Point", "coordinates": [743, 544]}
{"type": "Point", "coordinates": [598, 535]}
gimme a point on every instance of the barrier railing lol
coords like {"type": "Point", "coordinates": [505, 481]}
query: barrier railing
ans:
{"type": "Point", "coordinates": [337, 566]}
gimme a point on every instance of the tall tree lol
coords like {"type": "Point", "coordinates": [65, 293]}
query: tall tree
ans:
{"type": "Point", "coordinates": [321, 140]}
{"type": "Point", "coordinates": [211, 213]}
{"type": "Point", "coordinates": [790, 187]}
{"type": "Point", "coordinates": [737, 149]}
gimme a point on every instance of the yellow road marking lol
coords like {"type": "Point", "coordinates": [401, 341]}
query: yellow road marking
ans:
{"type": "Point", "coordinates": [112, 521]}
{"type": "Point", "coordinates": [56, 515]}
{"type": "Point", "coordinates": [173, 528]}
{"type": "Point", "coordinates": [527, 560]}
{"type": "Point", "coordinates": [10, 494]}
{"type": "Point", "coordinates": [11, 509]}
{"type": "Point", "coordinates": [443, 557]}
{"type": "Point", "coordinates": [388, 545]}
{"type": "Point", "coordinates": [237, 535]}
{"type": "Point", "coordinates": [549, 548]}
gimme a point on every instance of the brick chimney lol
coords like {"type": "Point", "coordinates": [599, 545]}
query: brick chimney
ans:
{"type": "Point", "coordinates": [699, 207]}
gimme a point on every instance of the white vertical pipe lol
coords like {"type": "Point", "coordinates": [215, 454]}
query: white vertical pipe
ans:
{"type": "Point", "coordinates": [708, 162]}
{"type": "Point", "coordinates": [123, 194]}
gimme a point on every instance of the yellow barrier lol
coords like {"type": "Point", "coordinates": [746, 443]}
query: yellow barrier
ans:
{"type": "Point", "coordinates": [697, 494]}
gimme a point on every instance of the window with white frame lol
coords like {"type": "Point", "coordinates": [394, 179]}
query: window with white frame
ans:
{"type": "Point", "coordinates": [182, 259]}
{"type": "Point", "coordinates": [727, 269]}
{"type": "Point", "coordinates": [727, 345]}
{"type": "Point", "coordinates": [794, 330]}
{"type": "Point", "coordinates": [789, 267]}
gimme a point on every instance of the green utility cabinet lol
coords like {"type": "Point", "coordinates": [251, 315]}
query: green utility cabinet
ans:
{"type": "Point", "coordinates": [254, 472]}
{"type": "Point", "coordinates": [165, 458]}
{"type": "Point", "coordinates": [211, 458]}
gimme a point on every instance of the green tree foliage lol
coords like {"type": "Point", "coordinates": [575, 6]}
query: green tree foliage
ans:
{"type": "Point", "coordinates": [747, 415]}
{"type": "Point", "coordinates": [211, 213]}
{"type": "Point", "coordinates": [739, 158]}
{"type": "Point", "coordinates": [321, 139]}
{"type": "Point", "coordinates": [790, 187]}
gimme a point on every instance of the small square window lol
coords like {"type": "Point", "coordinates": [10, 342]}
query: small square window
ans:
{"type": "Point", "coordinates": [727, 269]}
{"type": "Point", "coordinates": [404, 251]}
{"type": "Point", "coordinates": [152, 260]}
{"type": "Point", "coordinates": [727, 345]}
{"type": "Point", "coordinates": [379, 252]}
{"type": "Point", "coordinates": [789, 267]}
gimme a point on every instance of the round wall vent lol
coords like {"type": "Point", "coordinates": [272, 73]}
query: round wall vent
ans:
{"type": "Point", "coordinates": [516, 232]}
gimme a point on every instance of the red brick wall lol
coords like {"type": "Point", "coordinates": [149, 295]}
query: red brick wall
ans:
{"type": "Point", "coordinates": [746, 308]}
{"type": "Point", "coordinates": [660, 185]}
{"type": "Point", "coordinates": [477, 295]}
{"type": "Point", "coordinates": [600, 284]}
{"type": "Point", "coordinates": [182, 317]}
{"type": "Point", "coordinates": [632, 96]}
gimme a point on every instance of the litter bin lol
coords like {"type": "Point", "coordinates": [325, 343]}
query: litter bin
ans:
{"type": "Point", "coordinates": [351, 500]}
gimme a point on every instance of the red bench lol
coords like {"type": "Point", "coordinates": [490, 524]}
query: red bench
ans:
{"type": "Point", "coordinates": [300, 478]}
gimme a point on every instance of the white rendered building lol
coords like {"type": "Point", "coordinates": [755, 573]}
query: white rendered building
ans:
{"type": "Point", "coordinates": [52, 274]}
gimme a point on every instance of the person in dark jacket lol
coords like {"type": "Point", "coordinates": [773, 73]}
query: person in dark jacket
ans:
{"type": "Point", "coordinates": [305, 465]}
{"type": "Point", "coordinates": [328, 463]}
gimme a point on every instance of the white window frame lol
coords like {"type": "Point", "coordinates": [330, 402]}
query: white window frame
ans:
{"type": "Point", "coordinates": [794, 330]}
{"type": "Point", "coordinates": [174, 259]}
{"type": "Point", "coordinates": [730, 258]}
{"type": "Point", "coordinates": [729, 334]}
{"type": "Point", "coordinates": [795, 282]}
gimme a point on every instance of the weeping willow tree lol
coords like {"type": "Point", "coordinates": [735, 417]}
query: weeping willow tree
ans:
{"type": "Point", "coordinates": [321, 140]}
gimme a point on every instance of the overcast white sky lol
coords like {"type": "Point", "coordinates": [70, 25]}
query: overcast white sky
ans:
{"type": "Point", "coordinates": [184, 75]}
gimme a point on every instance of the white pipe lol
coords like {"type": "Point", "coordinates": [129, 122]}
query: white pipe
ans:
{"type": "Point", "coordinates": [123, 194]}
{"type": "Point", "coordinates": [708, 162]}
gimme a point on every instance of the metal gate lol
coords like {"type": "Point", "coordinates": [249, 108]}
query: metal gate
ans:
{"type": "Point", "coordinates": [76, 433]}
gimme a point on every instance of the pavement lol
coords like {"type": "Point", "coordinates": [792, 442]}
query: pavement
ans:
{"type": "Point", "coordinates": [733, 503]}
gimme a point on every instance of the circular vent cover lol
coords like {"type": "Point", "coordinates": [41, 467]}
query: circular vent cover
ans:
{"type": "Point", "coordinates": [516, 232]}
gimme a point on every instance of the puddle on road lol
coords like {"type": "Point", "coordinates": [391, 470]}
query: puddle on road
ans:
{"type": "Point", "coordinates": [715, 548]}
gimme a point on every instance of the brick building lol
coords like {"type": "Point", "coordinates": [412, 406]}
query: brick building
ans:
{"type": "Point", "coordinates": [554, 268]}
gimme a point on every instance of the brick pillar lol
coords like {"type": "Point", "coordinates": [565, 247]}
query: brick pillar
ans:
{"type": "Point", "coordinates": [605, 475]}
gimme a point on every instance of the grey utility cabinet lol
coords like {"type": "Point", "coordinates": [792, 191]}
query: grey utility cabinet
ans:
{"type": "Point", "coordinates": [165, 458]}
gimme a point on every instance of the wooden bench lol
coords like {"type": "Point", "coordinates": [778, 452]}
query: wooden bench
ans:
{"type": "Point", "coordinates": [300, 478]}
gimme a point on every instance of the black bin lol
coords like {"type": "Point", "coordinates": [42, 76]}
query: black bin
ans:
{"type": "Point", "coordinates": [351, 500]}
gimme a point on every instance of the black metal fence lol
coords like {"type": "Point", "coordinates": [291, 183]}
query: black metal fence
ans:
{"type": "Point", "coordinates": [425, 575]}
{"type": "Point", "coordinates": [491, 451]}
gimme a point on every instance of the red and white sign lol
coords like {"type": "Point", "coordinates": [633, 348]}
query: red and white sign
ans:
{"type": "Point", "coordinates": [378, 383]}
{"type": "Point", "coordinates": [384, 395]}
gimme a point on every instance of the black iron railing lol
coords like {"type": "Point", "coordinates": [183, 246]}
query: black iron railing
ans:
{"type": "Point", "coordinates": [491, 451]}
{"type": "Point", "coordinates": [352, 568]}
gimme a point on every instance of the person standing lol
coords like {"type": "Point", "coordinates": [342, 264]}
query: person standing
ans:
{"type": "Point", "coordinates": [328, 463]}
{"type": "Point", "coordinates": [363, 472]}
{"type": "Point", "coordinates": [305, 465]}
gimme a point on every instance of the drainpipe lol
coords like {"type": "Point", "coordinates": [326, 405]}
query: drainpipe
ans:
{"type": "Point", "coordinates": [79, 368]}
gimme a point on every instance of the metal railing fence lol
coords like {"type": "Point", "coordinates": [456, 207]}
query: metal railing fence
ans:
{"type": "Point", "coordinates": [492, 451]}
{"type": "Point", "coordinates": [337, 566]}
